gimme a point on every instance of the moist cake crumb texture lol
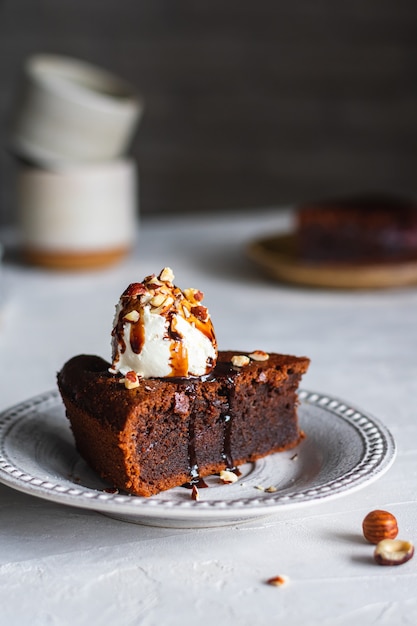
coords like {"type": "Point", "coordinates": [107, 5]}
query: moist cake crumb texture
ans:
{"type": "Point", "coordinates": [164, 433]}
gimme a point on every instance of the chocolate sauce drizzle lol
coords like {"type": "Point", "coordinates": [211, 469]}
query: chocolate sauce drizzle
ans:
{"type": "Point", "coordinates": [227, 419]}
{"type": "Point", "coordinates": [226, 372]}
{"type": "Point", "coordinates": [195, 478]}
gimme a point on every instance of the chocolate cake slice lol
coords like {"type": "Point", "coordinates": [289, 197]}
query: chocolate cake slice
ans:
{"type": "Point", "coordinates": [165, 432]}
{"type": "Point", "coordinates": [368, 229]}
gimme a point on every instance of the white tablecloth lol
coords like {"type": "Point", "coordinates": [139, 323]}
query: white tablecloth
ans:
{"type": "Point", "coordinates": [64, 565]}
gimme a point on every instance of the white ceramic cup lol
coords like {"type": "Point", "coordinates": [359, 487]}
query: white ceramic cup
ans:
{"type": "Point", "coordinates": [71, 111]}
{"type": "Point", "coordinates": [83, 216]}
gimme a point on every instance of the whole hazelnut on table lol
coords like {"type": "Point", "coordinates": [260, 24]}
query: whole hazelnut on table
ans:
{"type": "Point", "coordinates": [379, 525]}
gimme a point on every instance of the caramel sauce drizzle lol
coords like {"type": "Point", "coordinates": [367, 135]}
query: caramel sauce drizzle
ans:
{"type": "Point", "coordinates": [206, 328]}
{"type": "Point", "coordinates": [137, 336]}
{"type": "Point", "coordinates": [179, 353]}
{"type": "Point", "coordinates": [179, 359]}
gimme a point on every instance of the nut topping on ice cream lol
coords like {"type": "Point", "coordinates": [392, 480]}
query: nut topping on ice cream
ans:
{"type": "Point", "coordinates": [161, 331]}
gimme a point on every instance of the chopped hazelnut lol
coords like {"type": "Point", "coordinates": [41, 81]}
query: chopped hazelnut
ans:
{"type": "Point", "coordinates": [152, 282]}
{"type": "Point", "coordinates": [201, 313]}
{"type": "Point", "coordinates": [134, 289]}
{"type": "Point", "coordinates": [167, 302]}
{"type": "Point", "coordinates": [393, 552]}
{"type": "Point", "coordinates": [193, 295]}
{"type": "Point", "coordinates": [132, 316]}
{"type": "Point", "coordinates": [276, 581]}
{"type": "Point", "coordinates": [131, 380]}
{"type": "Point", "coordinates": [195, 494]}
{"type": "Point", "coordinates": [240, 360]}
{"type": "Point", "coordinates": [158, 300]}
{"type": "Point", "coordinates": [259, 355]}
{"type": "Point", "coordinates": [167, 275]}
{"type": "Point", "coordinates": [198, 295]}
{"type": "Point", "coordinates": [227, 477]}
{"type": "Point", "coordinates": [147, 297]}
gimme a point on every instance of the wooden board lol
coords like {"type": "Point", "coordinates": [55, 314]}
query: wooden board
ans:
{"type": "Point", "coordinates": [276, 255]}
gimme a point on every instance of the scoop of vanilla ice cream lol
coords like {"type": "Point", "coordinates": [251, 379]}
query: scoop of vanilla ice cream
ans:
{"type": "Point", "coordinates": [160, 331]}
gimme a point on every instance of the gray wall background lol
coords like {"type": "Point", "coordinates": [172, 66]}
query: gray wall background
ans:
{"type": "Point", "coordinates": [248, 103]}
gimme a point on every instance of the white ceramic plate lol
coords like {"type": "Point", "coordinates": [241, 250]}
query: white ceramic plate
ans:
{"type": "Point", "coordinates": [344, 449]}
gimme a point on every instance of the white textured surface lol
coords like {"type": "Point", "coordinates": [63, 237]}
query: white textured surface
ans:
{"type": "Point", "coordinates": [60, 565]}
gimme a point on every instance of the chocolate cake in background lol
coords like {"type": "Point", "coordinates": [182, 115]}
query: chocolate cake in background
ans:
{"type": "Point", "coordinates": [171, 409]}
{"type": "Point", "coordinates": [368, 229]}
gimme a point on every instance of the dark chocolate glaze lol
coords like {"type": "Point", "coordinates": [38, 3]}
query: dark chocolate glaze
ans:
{"type": "Point", "coordinates": [227, 419]}
{"type": "Point", "coordinates": [225, 373]}
{"type": "Point", "coordinates": [195, 478]}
